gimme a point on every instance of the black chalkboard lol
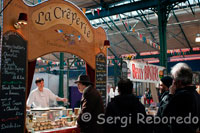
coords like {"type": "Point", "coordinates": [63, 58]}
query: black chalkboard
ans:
{"type": "Point", "coordinates": [101, 75]}
{"type": "Point", "coordinates": [13, 83]}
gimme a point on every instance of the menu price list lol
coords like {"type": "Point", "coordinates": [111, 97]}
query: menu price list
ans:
{"type": "Point", "coordinates": [13, 83]}
{"type": "Point", "coordinates": [101, 75]}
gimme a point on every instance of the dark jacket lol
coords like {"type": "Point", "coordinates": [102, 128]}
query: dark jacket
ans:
{"type": "Point", "coordinates": [127, 106]}
{"type": "Point", "coordinates": [91, 103]}
{"type": "Point", "coordinates": [185, 103]}
{"type": "Point", "coordinates": [164, 100]}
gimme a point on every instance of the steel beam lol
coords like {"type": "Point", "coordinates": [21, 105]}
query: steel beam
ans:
{"type": "Point", "coordinates": [123, 24]}
{"type": "Point", "coordinates": [162, 22]}
{"type": "Point", "coordinates": [56, 56]}
{"type": "Point", "coordinates": [191, 7]}
{"type": "Point", "coordinates": [68, 68]}
{"type": "Point", "coordinates": [199, 3]}
{"type": "Point", "coordinates": [147, 27]}
{"type": "Point", "coordinates": [113, 53]}
{"type": "Point", "coordinates": [124, 36]}
{"type": "Point", "coordinates": [175, 37]}
{"type": "Point", "coordinates": [60, 93]}
{"type": "Point", "coordinates": [136, 17]}
{"type": "Point", "coordinates": [139, 5]}
{"type": "Point", "coordinates": [182, 31]}
{"type": "Point", "coordinates": [107, 24]}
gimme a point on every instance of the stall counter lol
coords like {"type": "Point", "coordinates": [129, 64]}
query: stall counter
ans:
{"type": "Point", "coordinates": [73, 129]}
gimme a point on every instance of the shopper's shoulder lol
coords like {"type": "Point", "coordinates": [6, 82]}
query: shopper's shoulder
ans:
{"type": "Point", "coordinates": [183, 95]}
{"type": "Point", "coordinates": [90, 91]}
{"type": "Point", "coordinates": [183, 92]}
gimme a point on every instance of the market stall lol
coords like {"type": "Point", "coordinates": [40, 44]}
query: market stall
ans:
{"type": "Point", "coordinates": [33, 31]}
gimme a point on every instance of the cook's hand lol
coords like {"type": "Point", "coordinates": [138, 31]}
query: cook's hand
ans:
{"type": "Point", "coordinates": [64, 99]}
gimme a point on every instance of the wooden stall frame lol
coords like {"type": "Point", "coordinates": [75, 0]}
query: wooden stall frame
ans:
{"type": "Point", "coordinates": [55, 26]}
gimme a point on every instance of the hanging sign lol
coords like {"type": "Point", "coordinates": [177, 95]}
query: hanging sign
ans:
{"type": "Point", "coordinates": [142, 72]}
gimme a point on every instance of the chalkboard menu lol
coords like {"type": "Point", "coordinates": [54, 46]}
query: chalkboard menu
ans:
{"type": "Point", "coordinates": [101, 75]}
{"type": "Point", "coordinates": [13, 83]}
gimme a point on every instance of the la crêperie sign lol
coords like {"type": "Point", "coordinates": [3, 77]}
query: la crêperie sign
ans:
{"type": "Point", "coordinates": [54, 14]}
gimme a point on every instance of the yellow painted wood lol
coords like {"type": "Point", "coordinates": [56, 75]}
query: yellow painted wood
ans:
{"type": "Point", "coordinates": [45, 19]}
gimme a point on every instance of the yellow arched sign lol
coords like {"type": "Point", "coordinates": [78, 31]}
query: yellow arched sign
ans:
{"type": "Point", "coordinates": [56, 26]}
{"type": "Point", "coordinates": [54, 14]}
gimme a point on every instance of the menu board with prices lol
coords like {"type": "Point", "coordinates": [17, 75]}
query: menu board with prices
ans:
{"type": "Point", "coordinates": [13, 83]}
{"type": "Point", "coordinates": [101, 75]}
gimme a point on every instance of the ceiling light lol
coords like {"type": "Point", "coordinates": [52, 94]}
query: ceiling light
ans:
{"type": "Point", "coordinates": [197, 38]}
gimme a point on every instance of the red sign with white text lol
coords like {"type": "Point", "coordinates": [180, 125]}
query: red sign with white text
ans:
{"type": "Point", "coordinates": [143, 72]}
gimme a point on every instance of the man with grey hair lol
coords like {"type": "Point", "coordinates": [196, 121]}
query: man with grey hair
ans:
{"type": "Point", "coordinates": [184, 104]}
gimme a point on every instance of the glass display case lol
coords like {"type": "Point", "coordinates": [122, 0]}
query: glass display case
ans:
{"type": "Point", "coordinates": [40, 119]}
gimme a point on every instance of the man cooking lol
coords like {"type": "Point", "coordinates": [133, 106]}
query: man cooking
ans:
{"type": "Point", "coordinates": [40, 96]}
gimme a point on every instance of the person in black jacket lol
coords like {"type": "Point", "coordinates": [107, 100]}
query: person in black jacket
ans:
{"type": "Point", "coordinates": [165, 83]}
{"type": "Point", "coordinates": [184, 105]}
{"type": "Point", "coordinates": [91, 106]}
{"type": "Point", "coordinates": [123, 111]}
{"type": "Point", "coordinates": [164, 98]}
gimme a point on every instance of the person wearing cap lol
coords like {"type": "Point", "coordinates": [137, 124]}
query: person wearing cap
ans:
{"type": "Point", "coordinates": [165, 83]}
{"type": "Point", "coordinates": [91, 103]}
{"type": "Point", "coordinates": [40, 96]}
{"type": "Point", "coordinates": [164, 99]}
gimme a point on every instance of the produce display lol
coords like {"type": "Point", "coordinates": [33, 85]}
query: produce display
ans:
{"type": "Point", "coordinates": [51, 118]}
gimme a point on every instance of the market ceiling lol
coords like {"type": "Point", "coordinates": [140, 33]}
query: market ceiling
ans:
{"type": "Point", "coordinates": [132, 25]}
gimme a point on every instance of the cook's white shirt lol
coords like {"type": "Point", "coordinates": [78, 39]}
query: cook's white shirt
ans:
{"type": "Point", "coordinates": [40, 99]}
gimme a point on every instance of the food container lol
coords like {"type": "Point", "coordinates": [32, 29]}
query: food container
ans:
{"type": "Point", "coordinates": [69, 112]}
{"type": "Point", "coordinates": [37, 124]}
{"type": "Point", "coordinates": [41, 118]}
{"type": "Point", "coordinates": [76, 111]}
{"type": "Point", "coordinates": [74, 118]}
{"type": "Point", "coordinates": [69, 118]}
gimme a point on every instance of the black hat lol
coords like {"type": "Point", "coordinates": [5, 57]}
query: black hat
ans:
{"type": "Point", "coordinates": [38, 80]}
{"type": "Point", "coordinates": [83, 79]}
{"type": "Point", "coordinates": [167, 81]}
